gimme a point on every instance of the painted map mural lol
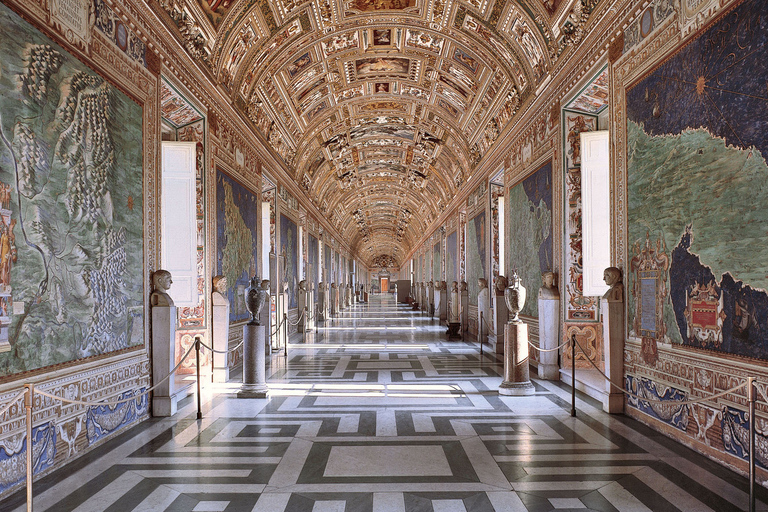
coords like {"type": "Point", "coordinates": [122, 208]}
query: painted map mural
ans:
{"type": "Point", "coordinates": [475, 255]}
{"type": "Point", "coordinates": [530, 232]}
{"type": "Point", "coordinates": [236, 238]}
{"type": "Point", "coordinates": [451, 248]}
{"type": "Point", "coordinates": [289, 258]}
{"type": "Point", "coordinates": [71, 207]}
{"type": "Point", "coordinates": [698, 199]}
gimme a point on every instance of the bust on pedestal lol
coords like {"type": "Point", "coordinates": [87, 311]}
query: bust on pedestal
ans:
{"type": "Point", "coordinates": [500, 316]}
{"type": "Point", "coordinates": [549, 327]}
{"type": "Point", "coordinates": [220, 304]}
{"type": "Point", "coordinates": [612, 312]}
{"type": "Point", "coordinates": [483, 309]}
{"type": "Point", "coordinates": [254, 339]}
{"type": "Point", "coordinates": [517, 380]}
{"type": "Point", "coordinates": [163, 344]}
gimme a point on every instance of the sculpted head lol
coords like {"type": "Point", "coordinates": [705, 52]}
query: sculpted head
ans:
{"type": "Point", "coordinates": [220, 284]}
{"type": "Point", "coordinates": [265, 284]}
{"type": "Point", "coordinates": [501, 283]}
{"type": "Point", "coordinates": [612, 275]}
{"type": "Point", "coordinates": [161, 280]}
{"type": "Point", "coordinates": [482, 283]}
{"type": "Point", "coordinates": [548, 279]}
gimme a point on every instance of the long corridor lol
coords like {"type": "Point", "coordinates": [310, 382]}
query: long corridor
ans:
{"type": "Point", "coordinates": [376, 412]}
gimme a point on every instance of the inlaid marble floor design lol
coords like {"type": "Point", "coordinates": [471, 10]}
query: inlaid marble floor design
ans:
{"type": "Point", "coordinates": [376, 412]}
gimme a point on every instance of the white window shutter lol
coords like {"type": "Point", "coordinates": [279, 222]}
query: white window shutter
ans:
{"type": "Point", "coordinates": [179, 223]}
{"type": "Point", "coordinates": [596, 210]}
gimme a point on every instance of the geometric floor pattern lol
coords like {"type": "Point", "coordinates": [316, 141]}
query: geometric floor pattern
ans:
{"type": "Point", "coordinates": [376, 412]}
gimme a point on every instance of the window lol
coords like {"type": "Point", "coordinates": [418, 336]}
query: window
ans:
{"type": "Point", "coordinates": [596, 210]}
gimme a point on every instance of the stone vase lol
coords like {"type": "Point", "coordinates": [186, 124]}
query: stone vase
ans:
{"type": "Point", "coordinates": [514, 296]}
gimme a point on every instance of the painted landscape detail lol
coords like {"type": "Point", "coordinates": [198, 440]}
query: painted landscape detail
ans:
{"type": "Point", "coordinates": [530, 227]}
{"type": "Point", "coordinates": [289, 258]}
{"type": "Point", "coordinates": [696, 183]}
{"type": "Point", "coordinates": [70, 204]}
{"type": "Point", "coordinates": [235, 241]}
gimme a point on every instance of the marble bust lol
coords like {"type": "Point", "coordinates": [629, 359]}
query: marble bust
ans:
{"type": "Point", "coordinates": [482, 283]}
{"type": "Point", "coordinates": [265, 285]}
{"type": "Point", "coordinates": [612, 277]}
{"type": "Point", "coordinates": [161, 283]}
{"type": "Point", "coordinates": [501, 284]}
{"type": "Point", "coordinates": [219, 294]}
{"type": "Point", "coordinates": [548, 290]}
{"type": "Point", "coordinates": [463, 286]}
{"type": "Point", "coordinates": [455, 287]}
{"type": "Point", "coordinates": [303, 286]}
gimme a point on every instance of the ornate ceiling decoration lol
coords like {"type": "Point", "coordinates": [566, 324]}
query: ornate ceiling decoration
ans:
{"type": "Point", "coordinates": [381, 108]}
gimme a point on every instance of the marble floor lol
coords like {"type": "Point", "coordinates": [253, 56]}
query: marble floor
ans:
{"type": "Point", "coordinates": [376, 412]}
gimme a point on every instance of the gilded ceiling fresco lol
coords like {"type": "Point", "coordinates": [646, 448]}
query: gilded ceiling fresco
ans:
{"type": "Point", "coordinates": [380, 108]}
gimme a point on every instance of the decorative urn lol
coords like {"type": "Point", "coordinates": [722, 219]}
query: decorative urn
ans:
{"type": "Point", "coordinates": [514, 296]}
{"type": "Point", "coordinates": [255, 297]}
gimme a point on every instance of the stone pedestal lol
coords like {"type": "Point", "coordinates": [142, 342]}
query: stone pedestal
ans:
{"type": "Point", "coordinates": [302, 297]}
{"type": "Point", "coordinates": [254, 362]}
{"type": "Point", "coordinates": [333, 303]}
{"type": "Point", "coordinates": [164, 397]}
{"type": "Point", "coordinates": [484, 307]}
{"type": "Point", "coordinates": [453, 331]}
{"type": "Point", "coordinates": [464, 310]}
{"type": "Point", "coordinates": [349, 296]}
{"type": "Point", "coordinates": [321, 305]}
{"type": "Point", "coordinates": [220, 340]}
{"type": "Point", "coordinates": [613, 335]}
{"type": "Point", "coordinates": [498, 324]}
{"type": "Point", "coordinates": [442, 297]}
{"type": "Point", "coordinates": [311, 311]}
{"type": "Point", "coordinates": [431, 294]}
{"type": "Point", "coordinates": [549, 330]}
{"type": "Point", "coordinates": [517, 380]}
{"type": "Point", "coordinates": [453, 308]}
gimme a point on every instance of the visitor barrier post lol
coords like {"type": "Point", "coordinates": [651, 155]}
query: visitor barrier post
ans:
{"type": "Point", "coordinates": [480, 333]}
{"type": "Point", "coordinates": [752, 420]}
{"type": "Point", "coordinates": [197, 359]}
{"type": "Point", "coordinates": [285, 334]}
{"type": "Point", "coordinates": [28, 397]}
{"type": "Point", "coordinates": [573, 375]}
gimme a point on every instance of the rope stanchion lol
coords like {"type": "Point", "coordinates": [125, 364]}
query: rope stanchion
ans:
{"type": "Point", "coordinates": [204, 345]}
{"type": "Point", "coordinates": [124, 400]}
{"type": "Point", "coordinates": [285, 334]}
{"type": "Point", "coordinates": [197, 364]}
{"type": "Point", "coordinates": [480, 333]}
{"type": "Point", "coordinates": [548, 349]}
{"type": "Point", "coordinates": [653, 400]}
{"type": "Point", "coordinates": [752, 420]}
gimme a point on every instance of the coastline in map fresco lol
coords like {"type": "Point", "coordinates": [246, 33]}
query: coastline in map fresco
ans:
{"type": "Point", "coordinates": [530, 225]}
{"type": "Point", "coordinates": [695, 157]}
{"type": "Point", "coordinates": [451, 273]}
{"type": "Point", "coordinates": [235, 241]}
{"type": "Point", "coordinates": [314, 260]}
{"type": "Point", "coordinates": [289, 258]}
{"type": "Point", "coordinates": [475, 255]}
{"type": "Point", "coordinates": [71, 207]}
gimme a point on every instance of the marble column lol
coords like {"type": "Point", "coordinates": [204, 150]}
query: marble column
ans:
{"type": "Point", "coordinates": [517, 380]}
{"type": "Point", "coordinates": [254, 362]}
{"type": "Point", "coordinates": [549, 327]}
{"type": "Point", "coordinates": [500, 316]}
{"type": "Point", "coordinates": [220, 329]}
{"type": "Point", "coordinates": [612, 313]}
{"type": "Point", "coordinates": [464, 306]}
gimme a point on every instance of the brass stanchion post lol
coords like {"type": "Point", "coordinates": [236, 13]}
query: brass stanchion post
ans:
{"type": "Point", "coordinates": [573, 375]}
{"type": "Point", "coordinates": [28, 399]}
{"type": "Point", "coordinates": [199, 399]}
{"type": "Point", "coordinates": [285, 334]}
{"type": "Point", "coordinates": [751, 394]}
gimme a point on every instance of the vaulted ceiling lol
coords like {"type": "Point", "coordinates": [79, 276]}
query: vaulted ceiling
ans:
{"type": "Point", "coordinates": [382, 109]}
